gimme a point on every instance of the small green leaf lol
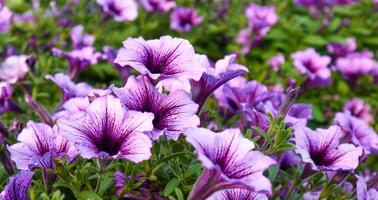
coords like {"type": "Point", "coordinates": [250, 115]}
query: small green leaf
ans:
{"type": "Point", "coordinates": [273, 171]}
{"type": "Point", "coordinates": [171, 186]}
{"type": "Point", "coordinates": [88, 195]}
{"type": "Point", "coordinates": [179, 194]}
{"type": "Point", "coordinates": [315, 40]}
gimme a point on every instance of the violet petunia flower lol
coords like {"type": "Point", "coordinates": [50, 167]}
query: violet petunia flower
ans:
{"type": "Point", "coordinates": [79, 38]}
{"type": "Point", "coordinates": [261, 18]}
{"type": "Point", "coordinates": [276, 61]}
{"type": "Point", "coordinates": [38, 145]}
{"type": "Point", "coordinates": [214, 77]}
{"type": "Point", "coordinates": [162, 58]}
{"type": "Point", "coordinates": [173, 113]}
{"type": "Point", "coordinates": [238, 91]}
{"type": "Point", "coordinates": [321, 149]}
{"type": "Point", "coordinates": [18, 186]}
{"type": "Point", "coordinates": [158, 5]}
{"type": "Point", "coordinates": [237, 194]}
{"type": "Point", "coordinates": [6, 104]}
{"type": "Point", "coordinates": [183, 19]}
{"type": "Point", "coordinates": [229, 163]}
{"type": "Point", "coordinates": [288, 159]}
{"type": "Point", "coordinates": [360, 109]}
{"type": "Point", "coordinates": [363, 191]}
{"type": "Point", "coordinates": [14, 68]}
{"type": "Point", "coordinates": [355, 65]}
{"type": "Point", "coordinates": [255, 118]}
{"type": "Point", "coordinates": [78, 59]}
{"type": "Point", "coordinates": [342, 49]}
{"type": "Point", "coordinates": [108, 130]}
{"type": "Point", "coordinates": [357, 131]}
{"type": "Point", "coordinates": [5, 19]}
{"type": "Point", "coordinates": [68, 87]}
{"type": "Point", "coordinates": [314, 66]}
{"type": "Point", "coordinates": [120, 10]}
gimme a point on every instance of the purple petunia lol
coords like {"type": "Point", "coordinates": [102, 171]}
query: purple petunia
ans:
{"type": "Point", "coordinates": [164, 58]}
{"type": "Point", "coordinates": [276, 61]}
{"type": "Point", "coordinates": [342, 49]}
{"type": "Point", "coordinates": [261, 18]}
{"type": "Point", "coordinates": [363, 191]}
{"type": "Point", "coordinates": [360, 109]}
{"type": "Point", "coordinates": [14, 68]}
{"type": "Point", "coordinates": [314, 66]}
{"type": "Point", "coordinates": [357, 131]}
{"type": "Point", "coordinates": [214, 77]}
{"type": "Point", "coordinates": [6, 104]}
{"type": "Point", "coordinates": [18, 186]}
{"type": "Point", "coordinates": [237, 194]}
{"type": "Point", "coordinates": [158, 5]}
{"type": "Point", "coordinates": [173, 113]}
{"type": "Point", "coordinates": [79, 38]}
{"type": "Point", "coordinates": [38, 145]}
{"type": "Point", "coordinates": [5, 19]}
{"type": "Point", "coordinates": [229, 162]}
{"type": "Point", "coordinates": [120, 10]}
{"type": "Point", "coordinates": [109, 130]}
{"type": "Point", "coordinates": [184, 19]}
{"type": "Point", "coordinates": [321, 149]}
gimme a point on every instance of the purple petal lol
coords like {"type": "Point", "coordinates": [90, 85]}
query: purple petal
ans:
{"type": "Point", "coordinates": [18, 186]}
{"type": "Point", "coordinates": [237, 194]}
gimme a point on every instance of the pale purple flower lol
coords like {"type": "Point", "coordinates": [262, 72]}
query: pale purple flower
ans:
{"type": "Point", "coordinates": [162, 58]}
{"type": "Point", "coordinates": [276, 61]}
{"type": "Point", "coordinates": [38, 145]}
{"type": "Point", "coordinates": [288, 159]}
{"type": "Point", "coordinates": [229, 163]}
{"type": "Point", "coordinates": [363, 191]}
{"type": "Point", "coordinates": [314, 66]}
{"type": "Point", "coordinates": [78, 59]}
{"type": "Point", "coordinates": [342, 49]}
{"type": "Point", "coordinates": [357, 131]}
{"type": "Point", "coordinates": [360, 109]}
{"type": "Point", "coordinates": [6, 104]}
{"type": "Point", "coordinates": [238, 91]}
{"type": "Point", "coordinates": [356, 64]}
{"type": "Point", "coordinates": [183, 19]}
{"type": "Point", "coordinates": [215, 76]}
{"type": "Point", "coordinates": [68, 87]}
{"type": "Point", "coordinates": [321, 149]}
{"type": "Point", "coordinates": [5, 19]}
{"type": "Point", "coordinates": [261, 18]}
{"type": "Point", "coordinates": [158, 5]}
{"type": "Point", "coordinates": [109, 130]}
{"type": "Point", "coordinates": [79, 38]}
{"type": "Point", "coordinates": [237, 194]}
{"type": "Point", "coordinates": [120, 10]}
{"type": "Point", "coordinates": [255, 118]}
{"type": "Point", "coordinates": [14, 68]}
{"type": "Point", "coordinates": [173, 113]}
{"type": "Point", "coordinates": [18, 186]}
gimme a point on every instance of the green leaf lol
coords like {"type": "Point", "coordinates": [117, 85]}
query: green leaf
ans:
{"type": "Point", "coordinates": [88, 195]}
{"type": "Point", "coordinates": [171, 186]}
{"type": "Point", "coordinates": [315, 40]}
{"type": "Point", "coordinates": [264, 134]}
{"type": "Point", "coordinates": [179, 194]}
{"type": "Point", "coordinates": [273, 171]}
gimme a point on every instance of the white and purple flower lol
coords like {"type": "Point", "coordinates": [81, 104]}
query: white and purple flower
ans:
{"type": "Point", "coordinates": [360, 109]}
{"type": "Point", "coordinates": [158, 5]}
{"type": "Point", "coordinates": [120, 10]}
{"type": "Point", "coordinates": [14, 68]}
{"type": "Point", "coordinates": [184, 19]}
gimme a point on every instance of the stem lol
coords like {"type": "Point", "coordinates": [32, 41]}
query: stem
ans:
{"type": "Point", "coordinates": [49, 178]}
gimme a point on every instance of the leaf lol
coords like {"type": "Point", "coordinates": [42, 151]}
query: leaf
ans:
{"type": "Point", "coordinates": [273, 171]}
{"type": "Point", "coordinates": [179, 194]}
{"type": "Point", "coordinates": [171, 186]}
{"type": "Point", "coordinates": [264, 134]}
{"type": "Point", "coordinates": [88, 195]}
{"type": "Point", "coordinates": [315, 40]}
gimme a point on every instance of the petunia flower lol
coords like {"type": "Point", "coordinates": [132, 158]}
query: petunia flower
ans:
{"type": "Point", "coordinates": [342, 49]}
{"type": "Point", "coordinates": [6, 104]}
{"type": "Point", "coordinates": [276, 61]}
{"type": "Point", "coordinates": [321, 149]}
{"type": "Point", "coordinates": [363, 191]}
{"type": "Point", "coordinates": [120, 10]}
{"type": "Point", "coordinates": [109, 130]}
{"type": "Point", "coordinates": [38, 145]}
{"type": "Point", "coordinates": [357, 131]}
{"type": "Point", "coordinates": [18, 186]}
{"type": "Point", "coordinates": [14, 68]}
{"type": "Point", "coordinates": [238, 91]}
{"type": "Point", "coordinates": [160, 59]}
{"type": "Point", "coordinates": [183, 19]}
{"type": "Point", "coordinates": [5, 19]}
{"type": "Point", "coordinates": [158, 5]}
{"type": "Point", "coordinates": [360, 109]}
{"type": "Point", "coordinates": [214, 77]}
{"type": "Point", "coordinates": [68, 87]}
{"type": "Point", "coordinates": [229, 163]}
{"type": "Point", "coordinates": [237, 194]}
{"type": "Point", "coordinates": [314, 66]}
{"type": "Point", "coordinates": [173, 113]}
{"type": "Point", "coordinates": [79, 38]}
{"type": "Point", "coordinates": [261, 18]}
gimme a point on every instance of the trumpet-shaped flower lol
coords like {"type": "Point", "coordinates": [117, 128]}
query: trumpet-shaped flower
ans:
{"type": "Point", "coordinates": [158, 5]}
{"type": "Point", "coordinates": [120, 10]}
{"type": "Point", "coordinates": [38, 145]}
{"type": "Point", "coordinates": [173, 113]}
{"type": "Point", "coordinates": [18, 186]}
{"type": "Point", "coordinates": [229, 162]}
{"type": "Point", "coordinates": [109, 130]}
{"type": "Point", "coordinates": [184, 19]}
{"type": "Point", "coordinates": [14, 68]}
{"type": "Point", "coordinates": [360, 109]}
